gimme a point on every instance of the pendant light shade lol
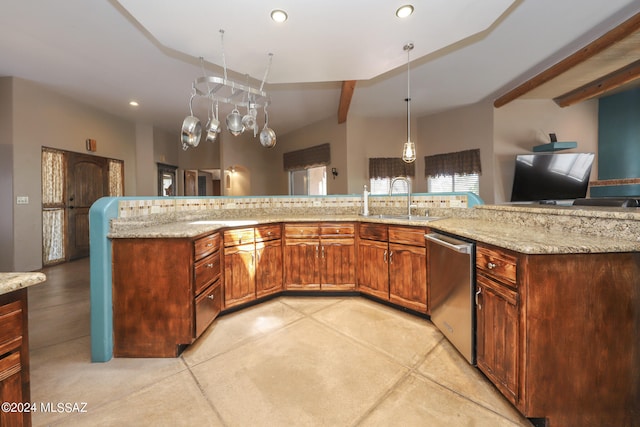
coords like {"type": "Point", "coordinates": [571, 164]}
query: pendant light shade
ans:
{"type": "Point", "coordinates": [409, 149]}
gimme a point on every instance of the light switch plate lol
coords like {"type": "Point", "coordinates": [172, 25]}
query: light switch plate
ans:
{"type": "Point", "coordinates": [22, 200]}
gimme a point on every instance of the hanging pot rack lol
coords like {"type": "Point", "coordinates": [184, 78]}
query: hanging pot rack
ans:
{"type": "Point", "coordinates": [222, 90]}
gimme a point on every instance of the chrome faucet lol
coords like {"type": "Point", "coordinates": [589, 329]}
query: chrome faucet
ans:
{"type": "Point", "coordinates": [408, 181]}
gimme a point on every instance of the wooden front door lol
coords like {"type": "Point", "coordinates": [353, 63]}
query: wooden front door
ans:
{"type": "Point", "coordinates": [87, 181]}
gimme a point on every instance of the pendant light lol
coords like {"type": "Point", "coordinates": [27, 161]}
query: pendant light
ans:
{"type": "Point", "coordinates": [409, 149]}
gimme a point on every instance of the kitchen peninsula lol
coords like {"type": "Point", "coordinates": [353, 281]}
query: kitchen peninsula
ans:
{"type": "Point", "coordinates": [14, 347]}
{"type": "Point", "coordinates": [558, 289]}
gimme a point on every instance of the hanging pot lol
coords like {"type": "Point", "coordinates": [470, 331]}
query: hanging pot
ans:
{"type": "Point", "coordinates": [213, 125]}
{"type": "Point", "coordinates": [191, 128]}
{"type": "Point", "coordinates": [267, 135]}
{"type": "Point", "coordinates": [249, 120]}
{"type": "Point", "coordinates": [234, 123]}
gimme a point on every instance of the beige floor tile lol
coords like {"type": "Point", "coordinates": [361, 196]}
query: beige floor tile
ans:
{"type": "Point", "coordinates": [309, 305]}
{"type": "Point", "coordinates": [302, 375]}
{"type": "Point", "coordinates": [64, 373]}
{"type": "Point", "coordinates": [447, 367]}
{"type": "Point", "coordinates": [174, 401]}
{"type": "Point", "coordinates": [404, 337]}
{"type": "Point", "coordinates": [421, 402]}
{"type": "Point", "coordinates": [236, 328]}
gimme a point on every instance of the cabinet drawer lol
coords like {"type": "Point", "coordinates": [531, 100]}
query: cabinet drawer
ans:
{"type": "Point", "coordinates": [330, 230]}
{"type": "Point", "coordinates": [10, 326]}
{"type": "Point", "coordinates": [239, 236]}
{"type": "Point", "coordinates": [208, 306]}
{"type": "Point", "coordinates": [206, 245]}
{"type": "Point", "coordinates": [268, 232]}
{"type": "Point", "coordinates": [301, 231]}
{"type": "Point", "coordinates": [497, 264]}
{"type": "Point", "coordinates": [407, 236]}
{"type": "Point", "coordinates": [206, 271]}
{"type": "Point", "coordinates": [374, 232]}
{"type": "Point", "coordinates": [10, 365]}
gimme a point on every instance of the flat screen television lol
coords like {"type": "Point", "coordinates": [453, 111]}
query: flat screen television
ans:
{"type": "Point", "coordinates": [551, 176]}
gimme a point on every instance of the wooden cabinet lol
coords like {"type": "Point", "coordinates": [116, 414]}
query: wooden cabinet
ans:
{"type": "Point", "coordinates": [392, 264]}
{"type": "Point", "coordinates": [14, 357]}
{"type": "Point", "coordinates": [165, 293]}
{"type": "Point", "coordinates": [320, 256]}
{"type": "Point", "coordinates": [252, 263]}
{"type": "Point", "coordinates": [497, 319]}
{"type": "Point", "coordinates": [373, 256]}
{"type": "Point", "coordinates": [558, 334]}
{"type": "Point", "coordinates": [408, 268]}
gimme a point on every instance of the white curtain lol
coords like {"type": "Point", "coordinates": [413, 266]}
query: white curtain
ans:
{"type": "Point", "coordinates": [52, 206]}
{"type": "Point", "coordinates": [116, 178]}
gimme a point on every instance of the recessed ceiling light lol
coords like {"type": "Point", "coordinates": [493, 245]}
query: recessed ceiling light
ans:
{"type": "Point", "coordinates": [279, 15]}
{"type": "Point", "coordinates": [404, 11]}
{"type": "Point", "coordinates": [133, 103]}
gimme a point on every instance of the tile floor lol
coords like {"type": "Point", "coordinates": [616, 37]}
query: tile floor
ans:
{"type": "Point", "coordinates": [292, 361]}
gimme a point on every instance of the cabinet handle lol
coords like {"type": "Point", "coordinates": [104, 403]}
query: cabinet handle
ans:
{"type": "Point", "coordinates": [253, 259]}
{"type": "Point", "coordinates": [337, 231]}
{"type": "Point", "coordinates": [210, 265]}
{"type": "Point", "coordinates": [209, 244]}
{"type": "Point", "coordinates": [491, 266]}
{"type": "Point", "coordinates": [210, 296]}
{"type": "Point", "coordinates": [478, 292]}
{"type": "Point", "coordinates": [317, 249]}
{"type": "Point", "coordinates": [390, 257]}
{"type": "Point", "coordinates": [384, 256]}
{"type": "Point", "coordinates": [323, 252]}
{"type": "Point", "coordinates": [268, 233]}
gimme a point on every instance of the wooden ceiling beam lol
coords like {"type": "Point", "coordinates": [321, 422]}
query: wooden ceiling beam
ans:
{"type": "Point", "coordinates": [610, 38]}
{"type": "Point", "coordinates": [604, 84]}
{"type": "Point", "coordinates": [348, 86]}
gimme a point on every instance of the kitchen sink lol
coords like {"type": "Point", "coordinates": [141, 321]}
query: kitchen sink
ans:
{"type": "Point", "coordinates": [406, 217]}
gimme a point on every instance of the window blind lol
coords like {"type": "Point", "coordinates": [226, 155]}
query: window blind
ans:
{"type": "Point", "coordinates": [318, 155]}
{"type": "Point", "coordinates": [461, 163]}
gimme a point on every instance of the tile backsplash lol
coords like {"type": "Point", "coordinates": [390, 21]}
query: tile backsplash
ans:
{"type": "Point", "coordinates": [262, 205]}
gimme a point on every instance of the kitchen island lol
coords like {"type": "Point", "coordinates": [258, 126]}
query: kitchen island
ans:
{"type": "Point", "coordinates": [14, 347]}
{"type": "Point", "coordinates": [557, 320]}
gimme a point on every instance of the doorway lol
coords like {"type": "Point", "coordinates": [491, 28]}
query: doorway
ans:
{"type": "Point", "coordinates": [71, 183]}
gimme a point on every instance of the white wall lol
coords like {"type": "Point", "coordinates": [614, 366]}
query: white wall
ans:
{"type": "Point", "coordinates": [44, 118]}
{"type": "Point", "coordinates": [522, 124]}
{"type": "Point", "coordinates": [321, 132]}
{"type": "Point", "coordinates": [460, 129]}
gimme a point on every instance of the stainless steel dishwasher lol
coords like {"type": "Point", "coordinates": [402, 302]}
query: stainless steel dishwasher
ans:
{"type": "Point", "coordinates": [451, 276]}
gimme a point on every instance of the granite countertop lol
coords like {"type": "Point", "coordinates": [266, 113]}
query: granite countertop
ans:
{"type": "Point", "coordinates": [10, 282]}
{"type": "Point", "coordinates": [532, 240]}
{"type": "Point", "coordinates": [519, 238]}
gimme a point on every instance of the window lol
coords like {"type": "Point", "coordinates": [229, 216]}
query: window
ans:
{"type": "Point", "coordinates": [382, 170]}
{"type": "Point", "coordinates": [309, 181]}
{"type": "Point", "coordinates": [381, 186]}
{"type": "Point", "coordinates": [459, 171]}
{"type": "Point", "coordinates": [456, 182]}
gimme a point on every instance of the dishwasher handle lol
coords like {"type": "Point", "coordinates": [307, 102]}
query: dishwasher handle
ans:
{"type": "Point", "coordinates": [458, 246]}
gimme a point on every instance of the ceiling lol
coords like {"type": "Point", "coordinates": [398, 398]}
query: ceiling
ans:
{"type": "Point", "coordinates": [106, 53]}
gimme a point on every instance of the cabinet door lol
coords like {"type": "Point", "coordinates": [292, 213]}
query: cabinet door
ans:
{"type": "Point", "coordinates": [301, 261]}
{"type": "Point", "coordinates": [497, 335]}
{"type": "Point", "coordinates": [11, 390]}
{"type": "Point", "coordinates": [268, 267]}
{"type": "Point", "coordinates": [338, 261]}
{"type": "Point", "coordinates": [373, 268]}
{"type": "Point", "coordinates": [239, 276]}
{"type": "Point", "coordinates": [408, 276]}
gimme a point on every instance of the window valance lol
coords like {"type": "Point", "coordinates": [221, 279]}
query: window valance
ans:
{"type": "Point", "coordinates": [318, 155]}
{"type": "Point", "coordinates": [390, 167]}
{"type": "Point", "coordinates": [461, 162]}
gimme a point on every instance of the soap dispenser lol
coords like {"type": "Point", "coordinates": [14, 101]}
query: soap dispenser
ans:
{"type": "Point", "coordinates": [365, 202]}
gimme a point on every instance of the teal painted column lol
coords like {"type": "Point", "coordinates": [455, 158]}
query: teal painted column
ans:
{"type": "Point", "coordinates": [100, 214]}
